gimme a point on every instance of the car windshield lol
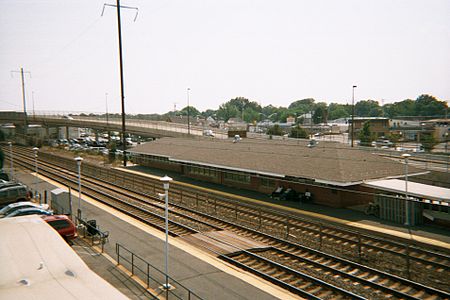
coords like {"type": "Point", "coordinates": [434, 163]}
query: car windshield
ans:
{"type": "Point", "coordinates": [59, 224]}
{"type": "Point", "coordinates": [14, 208]}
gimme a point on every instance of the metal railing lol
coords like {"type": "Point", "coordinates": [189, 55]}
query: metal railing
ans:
{"type": "Point", "coordinates": [152, 276]}
{"type": "Point", "coordinates": [92, 231]}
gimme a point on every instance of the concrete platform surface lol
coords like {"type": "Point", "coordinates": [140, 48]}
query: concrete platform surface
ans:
{"type": "Point", "coordinates": [202, 273]}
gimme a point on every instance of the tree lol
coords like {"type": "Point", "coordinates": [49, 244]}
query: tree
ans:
{"type": "Point", "coordinates": [404, 108]}
{"type": "Point", "coordinates": [337, 111]}
{"type": "Point", "coordinates": [298, 132]}
{"type": "Point", "coordinates": [227, 111]}
{"type": "Point", "coordinates": [428, 141]}
{"type": "Point", "coordinates": [365, 135]}
{"type": "Point", "coordinates": [275, 130]}
{"type": "Point", "coordinates": [209, 113]}
{"type": "Point", "coordinates": [320, 113]}
{"type": "Point", "coordinates": [368, 108]}
{"type": "Point", "coordinates": [427, 105]}
{"type": "Point", "coordinates": [192, 111]}
{"type": "Point", "coordinates": [302, 106]}
{"type": "Point", "coordinates": [239, 107]}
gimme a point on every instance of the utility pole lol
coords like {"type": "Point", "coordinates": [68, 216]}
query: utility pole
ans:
{"type": "Point", "coordinates": [122, 93]}
{"type": "Point", "coordinates": [353, 112]}
{"type": "Point", "coordinates": [25, 121]}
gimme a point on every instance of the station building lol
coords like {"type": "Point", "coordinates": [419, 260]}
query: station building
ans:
{"type": "Point", "coordinates": [331, 172]}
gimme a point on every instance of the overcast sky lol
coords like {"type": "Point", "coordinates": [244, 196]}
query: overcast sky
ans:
{"type": "Point", "coordinates": [273, 52]}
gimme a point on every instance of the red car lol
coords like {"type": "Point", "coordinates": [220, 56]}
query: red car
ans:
{"type": "Point", "coordinates": [63, 225]}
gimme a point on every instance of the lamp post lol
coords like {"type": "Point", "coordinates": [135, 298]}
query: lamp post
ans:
{"type": "Point", "coordinates": [11, 158]}
{"type": "Point", "coordinates": [188, 111]}
{"type": "Point", "coordinates": [446, 151]}
{"type": "Point", "coordinates": [407, 213]}
{"type": "Point", "coordinates": [166, 180]}
{"type": "Point", "coordinates": [353, 112]}
{"type": "Point", "coordinates": [35, 149]}
{"type": "Point", "coordinates": [79, 160]}
{"type": "Point", "coordinates": [107, 118]}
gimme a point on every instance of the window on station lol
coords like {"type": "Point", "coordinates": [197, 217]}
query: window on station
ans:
{"type": "Point", "coordinates": [237, 177]}
{"type": "Point", "coordinates": [267, 182]}
{"type": "Point", "coordinates": [207, 172]}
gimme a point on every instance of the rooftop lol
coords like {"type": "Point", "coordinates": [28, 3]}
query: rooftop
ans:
{"type": "Point", "coordinates": [38, 264]}
{"type": "Point", "coordinates": [327, 162]}
{"type": "Point", "coordinates": [414, 189]}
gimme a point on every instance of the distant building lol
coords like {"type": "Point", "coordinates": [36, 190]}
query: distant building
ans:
{"type": "Point", "coordinates": [441, 130]}
{"type": "Point", "coordinates": [236, 124]}
{"type": "Point", "coordinates": [379, 126]}
{"type": "Point", "coordinates": [306, 119]}
{"type": "Point", "coordinates": [290, 120]}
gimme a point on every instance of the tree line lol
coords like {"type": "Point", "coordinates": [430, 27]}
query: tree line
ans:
{"type": "Point", "coordinates": [251, 111]}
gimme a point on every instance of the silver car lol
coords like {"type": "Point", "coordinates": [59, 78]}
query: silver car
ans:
{"type": "Point", "coordinates": [19, 205]}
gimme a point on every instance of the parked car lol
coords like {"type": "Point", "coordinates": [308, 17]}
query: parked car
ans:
{"type": "Point", "coordinates": [29, 211]}
{"type": "Point", "coordinates": [11, 192]}
{"type": "Point", "coordinates": [19, 205]}
{"type": "Point", "coordinates": [61, 223]}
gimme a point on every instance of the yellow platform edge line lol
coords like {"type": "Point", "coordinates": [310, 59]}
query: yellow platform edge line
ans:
{"type": "Point", "coordinates": [265, 286]}
{"type": "Point", "coordinates": [391, 232]}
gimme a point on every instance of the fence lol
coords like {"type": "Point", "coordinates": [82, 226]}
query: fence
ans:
{"type": "Point", "coordinates": [89, 229]}
{"type": "Point", "coordinates": [152, 276]}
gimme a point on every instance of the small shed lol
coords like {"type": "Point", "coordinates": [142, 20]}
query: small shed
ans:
{"type": "Point", "coordinates": [61, 202]}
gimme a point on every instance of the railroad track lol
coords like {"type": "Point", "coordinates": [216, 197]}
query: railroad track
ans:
{"type": "Point", "coordinates": [386, 284]}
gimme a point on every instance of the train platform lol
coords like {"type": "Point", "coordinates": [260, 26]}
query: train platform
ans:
{"type": "Point", "coordinates": [422, 234]}
{"type": "Point", "coordinates": [201, 272]}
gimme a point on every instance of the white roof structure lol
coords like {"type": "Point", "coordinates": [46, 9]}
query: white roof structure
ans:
{"type": "Point", "coordinates": [38, 264]}
{"type": "Point", "coordinates": [419, 190]}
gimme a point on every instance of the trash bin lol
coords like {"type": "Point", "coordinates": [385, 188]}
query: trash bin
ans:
{"type": "Point", "coordinates": [92, 227]}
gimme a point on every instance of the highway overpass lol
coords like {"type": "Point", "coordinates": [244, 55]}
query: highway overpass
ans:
{"type": "Point", "coordinates": [144, 128]}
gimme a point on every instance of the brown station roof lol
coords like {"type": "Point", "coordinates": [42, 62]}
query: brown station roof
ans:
{"type": "Point", "coordinates": [327, 162]}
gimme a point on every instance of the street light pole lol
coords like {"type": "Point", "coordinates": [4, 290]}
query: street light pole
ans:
{"type": "Point", "coordinates": [79, 160]}
{"type": "Point", "coordinates": [166, 180]}
{"type": "Point", "coordinates": [188, 111]}
{"type": "Point", "coordinates": [11, 158]}
{"type": "Point", "coordinates": [446, 151]}
{"type": "Point", "coordinates": [407, 212]}
{"type": "Point", "coordinates": [353, 112]}
{"type": "Point", "coordinates": [35, 149]}
{"type": "Point", "coordinates": [107, 118]}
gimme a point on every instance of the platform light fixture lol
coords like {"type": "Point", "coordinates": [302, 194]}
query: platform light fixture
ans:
{"type": "Point", "coordinates": [407, 211]}
{"type": "Point", "coordinates": [353, 112]}
{"type": "Point", "coordinates": [11, 160]}
{"type": "Point", "coordinates": [79, 160]}
{"type": "Point", "coordinates": [36, 151]}
{"type": "Point", "coordinates": [188, 112]}
{"type": "Point", "coordinates": [446, 150]}
{"type": "Point", "coordinates": [166, 180]}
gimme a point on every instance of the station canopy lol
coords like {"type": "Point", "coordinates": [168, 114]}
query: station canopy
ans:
{"type": "Point", "coordinates": [325, 162]}
{"type": "Point", "coordinates": [424, 192]}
